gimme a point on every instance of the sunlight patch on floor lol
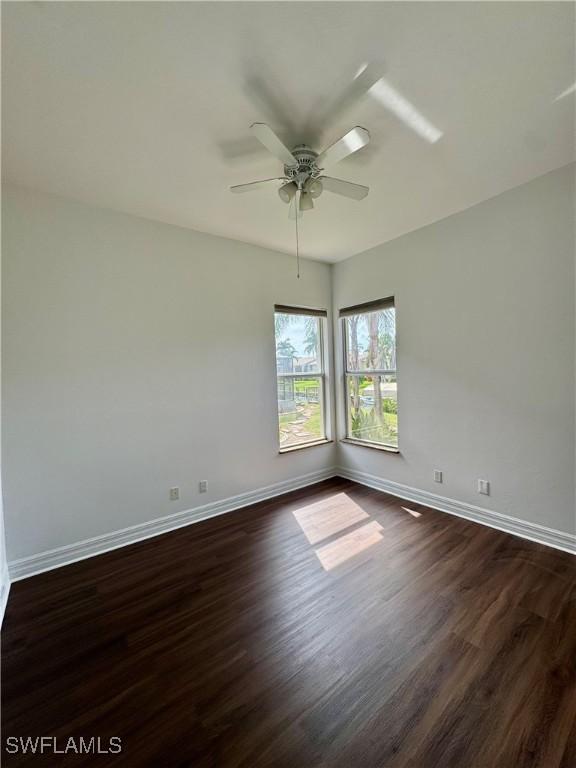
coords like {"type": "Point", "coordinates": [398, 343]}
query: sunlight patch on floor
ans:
{"type": "Point", "coordinates": [329, 516]}
{"type": "Point", "coordinates": [350, 544]}
{"type": "Point", "coordinates": [412, 512]}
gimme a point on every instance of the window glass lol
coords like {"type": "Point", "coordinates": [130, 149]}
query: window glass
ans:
{"type": "Point", "coordinates": [297, 343]}
{"type": "Point", "coordinates": [371, 384]}
{"type": "Point", "coordinates": [300, 378]}
{"type": "Point", "coordinates": [371, 340]}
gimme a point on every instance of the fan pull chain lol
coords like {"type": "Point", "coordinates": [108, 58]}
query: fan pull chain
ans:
{"type": "Point", "coordinates": [297, 247]}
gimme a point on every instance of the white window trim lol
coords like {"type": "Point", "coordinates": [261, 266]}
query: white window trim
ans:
{"type": "Point", "coordinates": [321, 375]}
{"type": "Point", "coordinates": [371, 372]}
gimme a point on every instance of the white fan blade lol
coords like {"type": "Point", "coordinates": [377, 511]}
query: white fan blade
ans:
{"type": "Point", "coordinates": [396, 103]}
{"type": "Point", "coordinates": [253, 185]}
{"type": "Point", "coordinates": [295, 211]}
{"type": "Point", "coordinates": [266, 136]}
{"type": "Point", "coordinates": [351, 142]}
{"type": "Point", "coordinates": [344, 188]}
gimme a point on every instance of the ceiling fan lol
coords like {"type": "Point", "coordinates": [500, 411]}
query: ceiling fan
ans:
{"type": "Point", "coordinates": [303, 180]}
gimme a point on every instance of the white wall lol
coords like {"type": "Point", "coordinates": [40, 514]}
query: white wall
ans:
{"type": "Point", "coordinates": [485, 318]}
{"type": "Point", "coordinates": [138, 356]}
{"type": "Point", "coordinates": [117, 387]}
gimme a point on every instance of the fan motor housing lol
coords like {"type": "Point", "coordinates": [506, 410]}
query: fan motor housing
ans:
{"type": "Point", "coordinates": [306, 168]}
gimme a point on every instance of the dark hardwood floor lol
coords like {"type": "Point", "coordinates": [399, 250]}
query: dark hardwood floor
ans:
{"type": "Point", "coordinates": [334, 627]}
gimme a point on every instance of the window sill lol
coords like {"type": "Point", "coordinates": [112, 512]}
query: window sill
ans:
{"type": "Point", "coordinates": [292, 448]}
{"type": "Point", "coordinates": [374, 446]}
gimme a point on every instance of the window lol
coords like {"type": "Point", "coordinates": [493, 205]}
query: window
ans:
{"type": "Point", "coordinates": [369, 334]}
{"type": "Point", "coordinates": [300, 376]}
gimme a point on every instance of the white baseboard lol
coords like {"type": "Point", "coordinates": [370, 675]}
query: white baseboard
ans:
{"type": "Point", "coordinates": [55, 558]}
{"type": "Point", "coordinates": [4, 590]}
{"type": "Point", "coordinates": [71, 553]}
{"type": "Point", "coordinates": [538, 533]}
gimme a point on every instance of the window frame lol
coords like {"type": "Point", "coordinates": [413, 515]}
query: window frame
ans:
{"type": "Point", "coordinates": [321, 374]}
{"type": "Point", "coordinates": [344, 314]}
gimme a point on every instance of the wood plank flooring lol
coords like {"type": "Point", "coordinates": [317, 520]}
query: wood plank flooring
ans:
{"type": "Point", "coordinates": [334, 627]}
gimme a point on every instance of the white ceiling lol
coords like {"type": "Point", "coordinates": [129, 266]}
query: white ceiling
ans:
{"type": "Point", "coordinates": [146, 108]}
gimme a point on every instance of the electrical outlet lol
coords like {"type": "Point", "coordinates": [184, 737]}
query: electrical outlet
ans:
{"type": "Point", "coordinates": [174, 494]}
{"type": "Point", "coordinates": [484, 487]}
{"type": "Point", "coordinates": [202, 486]}
{"type": "Point", "coordinates": [437, 476]}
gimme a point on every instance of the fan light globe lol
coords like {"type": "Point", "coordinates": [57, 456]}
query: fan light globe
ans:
{"type": "Point", "coordinates": [315, 188]}
{"type": "Point", "coordinates": [287, 192]}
